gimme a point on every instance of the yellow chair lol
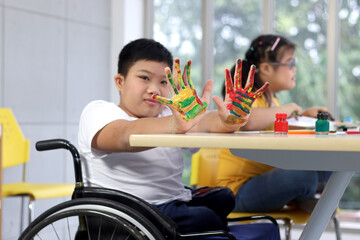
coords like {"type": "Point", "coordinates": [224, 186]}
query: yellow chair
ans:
{"type": "Point", "coordinates": [16, 151]}
{"type": "Point", "coordinates": [1, 178]}
{"type": "Point", "coordinates": [204, 167]}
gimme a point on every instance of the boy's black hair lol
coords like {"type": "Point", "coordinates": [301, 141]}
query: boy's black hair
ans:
{"type": "Point", "coordinates": [264, 48]}
{"type": "Point", "coordinates": [142, 49]}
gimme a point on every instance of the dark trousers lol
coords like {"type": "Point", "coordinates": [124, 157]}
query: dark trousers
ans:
{"type": "Point", "coordinates": [206, 211]}
{"type": "Point", "coordinates": [272, 190]}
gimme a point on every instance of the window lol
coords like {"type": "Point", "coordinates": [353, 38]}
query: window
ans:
{"type": "Point", "coordinates": [306, 26]}
{"type": "Point", "coordinates": [349, 64]}
{"type": "Point", "coordinates": [236, 23]}
{"type": "Point", "coordinates": [177, 25]}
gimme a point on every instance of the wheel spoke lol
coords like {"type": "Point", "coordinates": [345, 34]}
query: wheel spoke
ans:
{"type": "Point", "coordinates": [68, 226]}
{"type": "Point", "coordinates": [99, 234]}
{"type": "Point", "coordinates": [52, 225]}
{"type": "Point", "coordinates": [38, 236]}
{"type": "Point", "coordinates": [113, 234]}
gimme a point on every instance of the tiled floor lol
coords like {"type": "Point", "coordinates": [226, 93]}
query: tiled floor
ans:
{"type": "Point", "coordinates": [349, 224]}
{"type": "Point", "coordinates": [329, 234]}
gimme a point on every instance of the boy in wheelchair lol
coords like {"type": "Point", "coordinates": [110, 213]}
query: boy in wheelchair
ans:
{"type": "Point", "coordinates": [154, 174]}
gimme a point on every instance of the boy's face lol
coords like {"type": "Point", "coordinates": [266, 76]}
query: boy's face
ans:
{"type": "Point", "coordinates": [144, 79]}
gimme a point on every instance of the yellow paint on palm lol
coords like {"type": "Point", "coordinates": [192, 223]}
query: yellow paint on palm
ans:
{"type": "Point", "coordinates": [187, 103]}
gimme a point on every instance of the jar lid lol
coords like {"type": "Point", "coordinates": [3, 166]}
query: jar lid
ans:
{"type": "Point", "coordinates": [322, 115]}
{"type": "Point", "coordinates": [281, 116]}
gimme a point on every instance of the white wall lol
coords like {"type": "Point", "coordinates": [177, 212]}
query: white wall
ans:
{"type": "Point", "coordinates": [54, 58]}
{"type": "Point", "coordinates": [126, 25]}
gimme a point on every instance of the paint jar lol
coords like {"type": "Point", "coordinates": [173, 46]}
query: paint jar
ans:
{"type": "Point", "coordinates": [322, 125]}
{"type": "Point", "coordinates": [281, 124]}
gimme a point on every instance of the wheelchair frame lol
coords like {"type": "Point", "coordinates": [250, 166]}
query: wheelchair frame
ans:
{"type": "Point", "coordinates": [121, 214]}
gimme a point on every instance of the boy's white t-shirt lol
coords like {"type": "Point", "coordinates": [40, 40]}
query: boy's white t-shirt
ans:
{"type": "Point", "coordinates": [154, 175]}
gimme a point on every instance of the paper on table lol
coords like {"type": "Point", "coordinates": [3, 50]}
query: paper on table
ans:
{"type": "Point", "coordinates": [346, 125]}
{"type": "Point", "coordinates": [302, 121]}
{"type": "Point", "coordinates": [308, 122]}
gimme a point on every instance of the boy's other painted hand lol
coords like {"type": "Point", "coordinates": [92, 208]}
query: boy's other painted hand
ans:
{"type": "Point", "coordinates": [241, 98]}
{"type": "Point", "coordinates": [185, 100]}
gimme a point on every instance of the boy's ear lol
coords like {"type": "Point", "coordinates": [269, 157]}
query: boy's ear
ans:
{"type": "Point", "coordinates": [119, 81]}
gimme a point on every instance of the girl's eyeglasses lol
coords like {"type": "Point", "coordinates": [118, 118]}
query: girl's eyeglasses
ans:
{"type": "Point", "coordinates": [290, 64]}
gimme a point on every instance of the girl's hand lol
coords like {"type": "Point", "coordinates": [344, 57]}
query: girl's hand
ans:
{"type": "Point", "coordinates": [291, 109]}
{"type": "Point", "coordinates": [239, 100]}
{"type": "Point", "coordinates": [313, 111]}
{"type": "Point", "coordinates": [185, 100]}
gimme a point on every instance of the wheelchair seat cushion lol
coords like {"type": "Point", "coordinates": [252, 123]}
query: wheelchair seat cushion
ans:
{"type": "Point", "coordinates": [253, 231]}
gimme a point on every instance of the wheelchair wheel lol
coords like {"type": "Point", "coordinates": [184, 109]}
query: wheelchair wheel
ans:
{"type": "Point", "coordinates": [91, 218]}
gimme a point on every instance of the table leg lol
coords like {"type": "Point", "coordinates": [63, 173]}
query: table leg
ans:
{"type": "Point", "coordinates": [326, 206]}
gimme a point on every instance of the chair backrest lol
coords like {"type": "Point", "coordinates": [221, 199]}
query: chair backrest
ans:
{"type": "Point", "coordinates": [204, 165]}
{"type": "Point", "coordinates": [16, 149]}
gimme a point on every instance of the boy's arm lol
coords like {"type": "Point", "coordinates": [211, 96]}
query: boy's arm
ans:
{"type": "Point", "coordinates": [115, 136]}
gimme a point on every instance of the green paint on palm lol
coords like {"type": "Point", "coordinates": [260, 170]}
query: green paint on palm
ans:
{"type": "Point", "coordinates": [186, 102]}
{"type": "Point", "coordinates": [195, 110]}
{"type": "Point", "coordinates": [172, 82]}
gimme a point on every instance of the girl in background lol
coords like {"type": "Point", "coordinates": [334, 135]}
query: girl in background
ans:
{"type": "Point", "coordinates": [259, 187]}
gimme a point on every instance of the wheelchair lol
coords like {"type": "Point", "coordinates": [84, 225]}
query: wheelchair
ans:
{"type": "Point", "coordinates": [100, 213]}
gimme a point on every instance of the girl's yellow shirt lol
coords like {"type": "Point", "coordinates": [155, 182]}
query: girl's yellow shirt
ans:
{"type": "Point", "coordinates": [234, 171]}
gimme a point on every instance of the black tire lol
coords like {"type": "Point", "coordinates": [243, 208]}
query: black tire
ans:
{"type": "Point", "coordinates": [91, 218]}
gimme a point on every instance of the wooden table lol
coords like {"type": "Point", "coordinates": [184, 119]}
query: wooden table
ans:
{"type": "Point", "coordinates": [338, 153]}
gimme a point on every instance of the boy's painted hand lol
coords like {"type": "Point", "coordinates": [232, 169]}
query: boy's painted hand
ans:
{"type": "Point", "coordinates": [241, 98]}
{"type": "Point", "coordinates": [185, 100]}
